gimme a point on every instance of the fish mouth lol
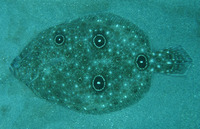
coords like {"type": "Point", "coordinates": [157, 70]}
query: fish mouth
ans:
{"type": "Point", "coordinates": [14, 66]}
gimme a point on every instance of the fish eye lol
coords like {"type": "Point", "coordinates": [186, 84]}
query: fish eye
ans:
{"type": "Point", "coordinates": [141, 62]}
{"type": "Point", "coordinates": [98, 83]}
{"type": "Point", "coordinates": [99, 41]}
{"type": "Point", "coordinates": [59, 39]}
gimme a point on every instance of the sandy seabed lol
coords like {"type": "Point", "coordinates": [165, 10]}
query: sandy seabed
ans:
{"type": "Point", "coordinates": [173, 102]}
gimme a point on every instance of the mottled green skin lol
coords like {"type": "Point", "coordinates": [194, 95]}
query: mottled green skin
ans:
{"type": "Point", "coordinates": [63, 74]}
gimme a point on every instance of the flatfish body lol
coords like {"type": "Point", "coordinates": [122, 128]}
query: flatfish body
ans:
{"type": "Point", "coordinates": [94, 64]}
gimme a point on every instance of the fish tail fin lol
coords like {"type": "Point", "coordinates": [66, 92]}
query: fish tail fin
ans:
{"type": "Point", "coordinates": [173, 60]}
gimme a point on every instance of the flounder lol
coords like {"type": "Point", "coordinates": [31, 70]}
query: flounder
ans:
{"type": "Point", "coordinates": [94, 64]}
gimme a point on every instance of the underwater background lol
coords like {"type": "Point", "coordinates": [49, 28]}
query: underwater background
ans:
{"type": "Point", "coordinates": [173, 102]}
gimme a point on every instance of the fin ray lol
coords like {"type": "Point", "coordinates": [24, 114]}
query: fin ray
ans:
{"type": "Point", "coordinates": [173, 60]}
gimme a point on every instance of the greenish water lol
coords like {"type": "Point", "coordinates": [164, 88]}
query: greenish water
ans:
{"type": "Point", "coordinates": [172, 101]}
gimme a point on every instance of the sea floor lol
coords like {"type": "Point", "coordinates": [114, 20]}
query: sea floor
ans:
{"type": "Point", "coordinates": [173, 102]}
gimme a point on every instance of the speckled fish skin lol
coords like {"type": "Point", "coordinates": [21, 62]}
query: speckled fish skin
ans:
{"type": "Point", "coordinates": [64, 73]}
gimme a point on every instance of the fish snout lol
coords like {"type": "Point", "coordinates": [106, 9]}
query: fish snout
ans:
{"type": "Point", "coordinates": [15, 65]}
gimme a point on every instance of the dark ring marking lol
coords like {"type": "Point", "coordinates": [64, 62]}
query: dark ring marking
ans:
{"type": "Point", "coordinates": [98, 83]}
{"type": "Point", "coordinates": [59, 39]}
{"type": "Point", "coordinates": [99, 41]}
{"type": "Point", "coordinates": [142, 62]}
